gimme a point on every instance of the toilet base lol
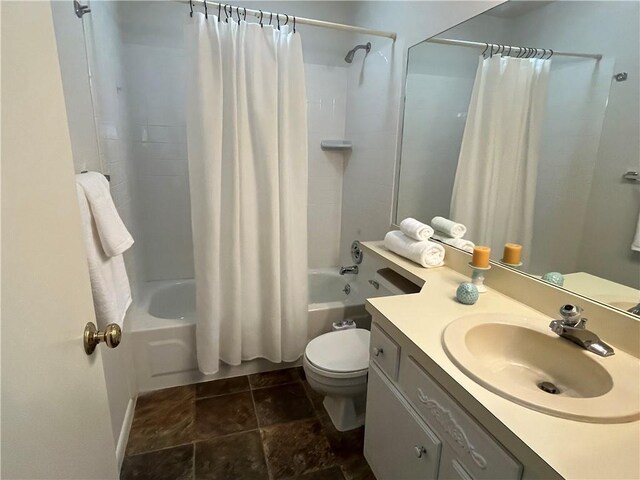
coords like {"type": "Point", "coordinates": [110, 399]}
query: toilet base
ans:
{"type": "Point", "coordinates": [346, 413]}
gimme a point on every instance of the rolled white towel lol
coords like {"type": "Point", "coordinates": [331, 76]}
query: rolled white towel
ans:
{"type": "Point", "coordinates": [461, 243]}
{"type": "Point", "coordinates": [448, 227]}
{"type": "Point", "coordinates": [414, 229]}
{"type": "Point", "coordinates": [425, 253]}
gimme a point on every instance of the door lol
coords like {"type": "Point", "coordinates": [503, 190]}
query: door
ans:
{"type": "Point", "coordinates": [55, 414]}
{"type": "Point", "coordinates": [397, 444]}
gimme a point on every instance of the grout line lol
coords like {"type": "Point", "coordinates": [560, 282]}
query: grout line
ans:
{"type": "Point", "coordinates": [264, 452]}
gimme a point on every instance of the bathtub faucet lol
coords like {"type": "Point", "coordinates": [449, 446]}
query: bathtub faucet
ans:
{"type": "Point", "coordinates": [353, 269]}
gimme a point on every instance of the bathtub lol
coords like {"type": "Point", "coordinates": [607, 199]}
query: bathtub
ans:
{"type": "Point", "coordinates": [162, 324]}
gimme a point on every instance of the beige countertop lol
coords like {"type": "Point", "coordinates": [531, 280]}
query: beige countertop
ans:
{"type": "Point", "coordinates": [574, 449]}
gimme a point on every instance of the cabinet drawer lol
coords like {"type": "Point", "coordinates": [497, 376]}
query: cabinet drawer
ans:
{"type": "Point", "coordinates": [384, 351]}
{"type": "Point", "coordinates": [480, 454]}
{"type": "Point", "coordinates": [397, 443]}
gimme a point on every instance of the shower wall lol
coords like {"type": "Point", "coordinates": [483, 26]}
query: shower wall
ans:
{"type": "Point", "coordinates": [154, 59]}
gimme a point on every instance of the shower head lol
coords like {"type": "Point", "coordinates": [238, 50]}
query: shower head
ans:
{"type": "Point", "coordinates": [352, 52]}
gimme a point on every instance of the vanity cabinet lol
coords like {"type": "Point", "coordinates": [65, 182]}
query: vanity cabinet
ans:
{"type": "Point", "coordinates": [415, 430]}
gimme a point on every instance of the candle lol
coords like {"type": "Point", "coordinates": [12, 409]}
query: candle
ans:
{"type": "Point", "coordinates": [512, 253]}
{"type": "Point", "coordinates": [480, 257]}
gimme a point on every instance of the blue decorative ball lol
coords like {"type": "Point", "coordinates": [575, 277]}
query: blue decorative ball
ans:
{"type": "Point", "coordinates": [555, 278]}
{"type": "Point", "coordinates": [467, 293]}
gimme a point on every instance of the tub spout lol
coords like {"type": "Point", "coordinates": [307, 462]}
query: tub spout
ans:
{"type": "Point", "coordinates": [353, 269]}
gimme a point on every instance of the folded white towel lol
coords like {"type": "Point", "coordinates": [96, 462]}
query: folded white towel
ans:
{"type": "Point", "coordinates": [461, 243]}
{"type": "Point", "coordinates": [448, 227]}
{"type": "Point", "coordinates": [414, 229]}
{"type": "Point", "coordinates": [636, 240]}
{"type": "Point", "coordinates": [425, 253]}
{"type": "Point", "coordinates": [109, 281]}
{"type": "Point", "coordinates": [114, 236]}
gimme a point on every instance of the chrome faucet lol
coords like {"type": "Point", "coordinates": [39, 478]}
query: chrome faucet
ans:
{"type": "Point", "coordinates": [572, 327]}
{"type": "Point", "coordinates": [353, 269]}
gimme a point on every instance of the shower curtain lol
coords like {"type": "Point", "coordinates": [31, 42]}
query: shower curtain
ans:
{"type": "Point", "coordinates": [495, 184]}
{"type": "Point", "coordinates": [247, 149]}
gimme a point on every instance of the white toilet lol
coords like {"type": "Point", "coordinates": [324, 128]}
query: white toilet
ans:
{"type": "Point", "coordinates": [336, 363]}
{"type": "Point", "coordinates": [336, 366]}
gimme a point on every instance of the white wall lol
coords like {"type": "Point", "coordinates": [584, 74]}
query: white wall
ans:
{"type": "Point", "coordinates": [326, 109]}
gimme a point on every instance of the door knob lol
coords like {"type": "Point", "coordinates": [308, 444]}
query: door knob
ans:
{"type": "Point", "coordinates": [420, 451]}
{"type": "Point", "coordinates": [92, 336]}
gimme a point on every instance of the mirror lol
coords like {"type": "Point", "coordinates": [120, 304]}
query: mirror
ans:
{"type": "Point", "coordinates": [529, 145]}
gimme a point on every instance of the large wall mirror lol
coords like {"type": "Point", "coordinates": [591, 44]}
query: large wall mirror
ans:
{"type": "Point", "coordinates": [523, 124]}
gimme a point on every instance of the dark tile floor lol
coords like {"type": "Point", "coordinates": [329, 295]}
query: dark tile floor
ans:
{"type": "Point", "coordinates": [265, 426]}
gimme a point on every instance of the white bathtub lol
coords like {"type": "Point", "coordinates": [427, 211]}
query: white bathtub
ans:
{"type": "Point", "coordinates": [162, 323]}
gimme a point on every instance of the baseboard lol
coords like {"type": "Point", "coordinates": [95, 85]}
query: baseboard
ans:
{"type": "Point", "coordinates": [121, 447]}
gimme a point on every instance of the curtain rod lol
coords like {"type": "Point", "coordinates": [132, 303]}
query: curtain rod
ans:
{"type": "Point", "coordinates": [299, 20]}
{"type": "Point", "coordinates": [465, 43]}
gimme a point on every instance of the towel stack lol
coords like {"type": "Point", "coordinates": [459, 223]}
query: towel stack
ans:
{"type": "Point", "coordinates": [449, 232]}
{"type": "Point", "coordinates": [412, 242]}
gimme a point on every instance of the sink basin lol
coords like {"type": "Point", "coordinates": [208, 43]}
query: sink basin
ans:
{"type": "Point", "coordinates": [518, 359]}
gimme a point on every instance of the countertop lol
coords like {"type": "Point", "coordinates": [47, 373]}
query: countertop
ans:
{"type": "Point", "coordinates": [576, 450]}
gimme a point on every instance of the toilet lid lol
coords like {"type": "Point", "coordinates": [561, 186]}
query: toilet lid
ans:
{"type": "Point", "coordinates": [341, 351]}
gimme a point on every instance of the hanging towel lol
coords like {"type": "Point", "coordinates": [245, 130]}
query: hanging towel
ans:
{"type": "Point", "coordinates": [114, 237]}
{"type": "Point", "coordinates": [448, 227]}
{"type": "Point", "coordinates": [461, 243]}
{"type": "Point", "coordinates": [414, 229]}
{"type": "Point", "coordinates": [425, 253]}
{"type": "Point", "coordinates": [109, 282]}
{"type": "Point", "coordinates": [636, 240]}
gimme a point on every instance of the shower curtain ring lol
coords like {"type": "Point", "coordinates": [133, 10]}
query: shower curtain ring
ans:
{"type": "Point", "coordinates": [226, 13]}
{"type": "Point", "coordinates": [486, 47]}
{"type": "Point", "coordinates": [509, 52]}
{"type": "Point", "coordinates": [294, 24]}
{"type": "Point", "coordinates": [286, 22]}
{"type": "Point", "coordinates": [550, 54]}
{"type": "Point", "coordinates": [238, 14]}
{"type": "Point", "coordinates": [219, 11]}
{"type": "Point", "coordinates": [270, 17]}
{"type": "Point", "coordinates": [206, 11]}
{"type": "Point", "coordinates": [191, 8]}
{"type": "Point", "coordinates": [244, 16]}
{"type": "Point", "coordinates": [261, 16]}
{"type": "Point", "coordinates": [278, 20]}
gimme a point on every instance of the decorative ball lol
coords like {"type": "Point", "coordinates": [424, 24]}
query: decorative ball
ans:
{"type": "Point", "coordinates": [467, 293]}
{"type": "Point", "coordinates": [555, 278]}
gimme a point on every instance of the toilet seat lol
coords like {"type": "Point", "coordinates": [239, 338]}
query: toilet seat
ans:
{"type": "Point", "coordinates": [343, 353]}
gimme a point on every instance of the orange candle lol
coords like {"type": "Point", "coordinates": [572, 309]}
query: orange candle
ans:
{"type": "Point", "coordinates": [480, 257]}
{"type": "Point", "coordinates": [512, 253]}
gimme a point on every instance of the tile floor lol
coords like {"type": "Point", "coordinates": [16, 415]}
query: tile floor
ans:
{"type": "Point", "coordinates": [264, 426]}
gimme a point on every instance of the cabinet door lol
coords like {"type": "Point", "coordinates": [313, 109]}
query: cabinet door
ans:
{"type": "Point", "coordinates": [397, 443]}
{"type": "Point", "coordinates": [451, 468]}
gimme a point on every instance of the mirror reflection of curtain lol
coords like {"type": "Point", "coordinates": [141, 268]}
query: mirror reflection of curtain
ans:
{"type": "Point", "coordinates": [495, 185]}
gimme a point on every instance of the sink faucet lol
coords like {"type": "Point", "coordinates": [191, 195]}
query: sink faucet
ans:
{"type": "Point", "coordinates": [353, 269]}
{"type": "Point", "coordinates": [572, 327]}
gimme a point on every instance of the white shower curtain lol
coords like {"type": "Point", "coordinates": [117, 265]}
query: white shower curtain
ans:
{"type": "Point", "coordinates": [247, 148]}
{"type": "Point", "coordinates": [495, 183]}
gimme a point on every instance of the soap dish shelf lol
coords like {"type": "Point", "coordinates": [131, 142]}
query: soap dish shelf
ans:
{"type": "Point", "coordinates": [336, 145]}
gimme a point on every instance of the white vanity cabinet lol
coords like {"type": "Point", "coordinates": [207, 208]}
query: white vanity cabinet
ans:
{"type": "Point", "coordinates": [415, 430]}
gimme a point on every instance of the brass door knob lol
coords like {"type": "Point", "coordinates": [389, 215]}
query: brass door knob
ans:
{"type": "Point", "coordinates": [92, 336]}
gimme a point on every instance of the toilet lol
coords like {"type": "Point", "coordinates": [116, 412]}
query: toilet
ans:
{"type": "Point", "coordinates": [336, 363]}
{"type": "Point", "coordinates": [336, 366]}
